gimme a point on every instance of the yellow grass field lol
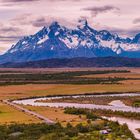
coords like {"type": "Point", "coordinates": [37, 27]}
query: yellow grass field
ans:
{"type": "Point", "coordinates": [58, 115]}
{"type": "Point", "coordinates": [29, 90]}
{"type": "Point", "coordinates": [112, 75]}
{"type": "Point", "coordinates": [19, 91]}
{"type": "Point", "coordinates": [10, 115]}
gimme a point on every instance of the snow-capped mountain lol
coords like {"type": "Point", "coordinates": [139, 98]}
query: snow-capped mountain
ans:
{"type": "Point", "coordinates": [56, 41]}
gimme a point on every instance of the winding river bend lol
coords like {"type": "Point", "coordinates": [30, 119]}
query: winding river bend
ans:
{"type": "Point", "coordinates": [114, 106]}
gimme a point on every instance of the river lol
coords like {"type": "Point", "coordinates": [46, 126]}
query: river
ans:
{"type": "Point", "coordinates": [116, 105]}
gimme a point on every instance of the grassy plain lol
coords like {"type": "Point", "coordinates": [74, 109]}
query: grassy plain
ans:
{"type": "Point", "coordinates": [10, 115]}
{"type": "Point", "coordinates": [58, 115]}
{"type": "Point", "coordinates": [30, 90]}
{"type": "Point", "coordinates": [129, 84]}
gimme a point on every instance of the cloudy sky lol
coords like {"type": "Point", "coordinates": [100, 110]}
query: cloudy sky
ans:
{"type": "Point", "coordinates": [19, 18]}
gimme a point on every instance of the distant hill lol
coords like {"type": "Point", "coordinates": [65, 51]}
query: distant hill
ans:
{"type": "Point", "coordinates": [77, 62]}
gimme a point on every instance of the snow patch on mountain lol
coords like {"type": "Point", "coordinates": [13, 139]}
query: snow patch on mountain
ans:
{"type": "Point", "coordinates": [43, 40]}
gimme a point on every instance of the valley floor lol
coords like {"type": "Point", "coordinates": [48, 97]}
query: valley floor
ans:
{"type": "Point", "coordinates": [27, 83]}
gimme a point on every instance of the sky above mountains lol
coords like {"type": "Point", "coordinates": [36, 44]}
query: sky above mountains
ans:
{"type": "Point", "coordinates": [19, 18]}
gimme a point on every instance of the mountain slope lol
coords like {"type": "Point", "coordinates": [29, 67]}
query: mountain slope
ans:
{"type": "Point", "coordinates": [57, 41]}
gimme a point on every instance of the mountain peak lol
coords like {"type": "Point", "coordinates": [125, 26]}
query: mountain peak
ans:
{"type": "Point", "coordinates": [54, 24]}
{"type": "Point", "coordinates": [82, 23]}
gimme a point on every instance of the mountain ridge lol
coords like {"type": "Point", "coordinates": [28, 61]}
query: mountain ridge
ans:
{"type": "Point", "coordinates": [56, 41]}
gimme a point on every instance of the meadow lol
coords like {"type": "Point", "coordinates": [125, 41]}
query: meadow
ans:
{"type": "Point", "coordinates": [9, 115]}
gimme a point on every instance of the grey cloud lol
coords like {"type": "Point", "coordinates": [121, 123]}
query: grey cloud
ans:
{"type": "Point", "coordinates": [23, 19]}
{"type": "Point", "coordinates": [10, 38]}
{"type": "Point", "coordinates": [9, 33]}
{"type": "Point", "coordinates": [136, 21]}
{"type": "Point", "coordinates": [131, 32]}
{"type": "Point", "coordinates": [9, 29]}
{"type": "Point", "coordinates": [47, 20]}
{"type": "Point", "coordinates": [29, 19]}
{"type": "Point", "coordinates": [19, 0]}
{"type": "Point", "coordinates": [39, 22]}
{"type": "Point", "coordinates": [37, 0]}
{"type": "Point", "coordinates": [97, 10]}
{"type": "Point", "coordinates": [10, 3]}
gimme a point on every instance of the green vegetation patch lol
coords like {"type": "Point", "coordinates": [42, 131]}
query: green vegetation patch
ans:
{"type": "Point", "coordinates": [60, 78]}
{"type": "Point", "coordinates": [58, 132]}
{"type": "Point", "coordinates": [136, 103]}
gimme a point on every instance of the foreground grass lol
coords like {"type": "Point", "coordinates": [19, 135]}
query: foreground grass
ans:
{"type": "Point", "coordinates": [10, 115]}
{"type": "Point", "coordinates": [89, 131]}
